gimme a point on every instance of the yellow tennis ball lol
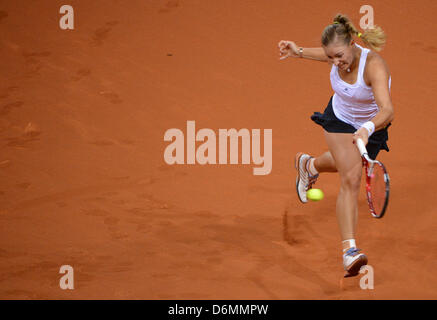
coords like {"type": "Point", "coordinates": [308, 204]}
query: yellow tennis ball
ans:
{"type": "Point", "coordinates": [315, 194]}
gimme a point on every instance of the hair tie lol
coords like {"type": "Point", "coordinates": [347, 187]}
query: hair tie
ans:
{"type": "Point", "coordinates": [359, 34]}
{"type": "Point", "coordinates": [336, 22]}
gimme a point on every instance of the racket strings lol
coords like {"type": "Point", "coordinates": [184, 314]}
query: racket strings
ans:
{"type": "Point", "coordinates": [378, 188]}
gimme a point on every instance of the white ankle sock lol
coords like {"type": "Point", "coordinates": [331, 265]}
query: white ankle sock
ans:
{"type": "Point", "coordinates": [349, 243]}
{"type": "Point", "coordinates": [311, 168]}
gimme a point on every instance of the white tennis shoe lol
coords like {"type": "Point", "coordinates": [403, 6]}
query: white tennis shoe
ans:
{"type": "Point", "coordinates": [353, 260]}
{"type": "Point", "coordinates": [304, 181]}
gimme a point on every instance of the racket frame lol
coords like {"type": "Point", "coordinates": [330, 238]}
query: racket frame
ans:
{"type": "Point", "coordinates": [369, 164]}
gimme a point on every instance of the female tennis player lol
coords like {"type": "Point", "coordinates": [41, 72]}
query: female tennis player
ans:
{"type": "Point", "coordinates": [361, 107]}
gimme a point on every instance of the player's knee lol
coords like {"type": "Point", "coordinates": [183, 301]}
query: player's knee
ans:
{"type": "Point", "coordinates": [351, 180]}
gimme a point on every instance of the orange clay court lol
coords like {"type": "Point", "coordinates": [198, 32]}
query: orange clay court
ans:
{"type": "Point", "coordinates": [83, 181]}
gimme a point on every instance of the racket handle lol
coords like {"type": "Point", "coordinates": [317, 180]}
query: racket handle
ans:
{"type": "Point", "coordinates": [361, 147]}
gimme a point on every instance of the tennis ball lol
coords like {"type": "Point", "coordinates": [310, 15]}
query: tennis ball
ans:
{"type": "Point", "coordinates": [315, 194]}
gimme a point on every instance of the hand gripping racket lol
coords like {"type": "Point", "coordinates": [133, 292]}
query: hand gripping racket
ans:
{"type": "Point", "coordinates": [377, 183]}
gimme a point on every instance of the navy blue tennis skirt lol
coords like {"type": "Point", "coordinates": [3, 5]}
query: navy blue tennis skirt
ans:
{"type": "Point", "coordinates": [329, 122]}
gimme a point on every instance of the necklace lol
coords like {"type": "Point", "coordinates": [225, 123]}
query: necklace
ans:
{"type": "Point", "coordinates": [349, 69]}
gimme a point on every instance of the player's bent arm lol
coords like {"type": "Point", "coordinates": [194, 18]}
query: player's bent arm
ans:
{"type": "Point", "coordinates": [379, 78]}
{"type": "Point", "coordinates": [314, 54]}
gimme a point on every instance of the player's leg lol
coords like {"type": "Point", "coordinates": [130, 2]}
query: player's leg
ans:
{"type": "Point", "coordinates": [348, 162]}
{"type": "Point", "coordinates": [325, 163]}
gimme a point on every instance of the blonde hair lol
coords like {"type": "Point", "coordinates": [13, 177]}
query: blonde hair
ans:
{"type": "Point", "coordinates": [344, 29]}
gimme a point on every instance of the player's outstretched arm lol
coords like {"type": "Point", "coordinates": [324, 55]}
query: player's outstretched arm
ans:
{"type": "Point", "coordinates": [290, 49]}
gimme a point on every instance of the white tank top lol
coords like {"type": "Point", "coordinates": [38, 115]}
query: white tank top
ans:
{"type": "Point", "coordinates": [354, 103]}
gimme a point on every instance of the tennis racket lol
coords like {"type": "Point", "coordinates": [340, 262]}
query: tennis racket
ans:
{"type": "Point", "coordinates": [377, 183]}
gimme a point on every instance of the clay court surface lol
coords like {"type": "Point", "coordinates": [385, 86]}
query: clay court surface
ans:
{"type": "Point", "coordinates": [83, 180]}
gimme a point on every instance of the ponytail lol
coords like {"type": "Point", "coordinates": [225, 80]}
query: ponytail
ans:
{"type": "Point", "coordinates": [343, 28]}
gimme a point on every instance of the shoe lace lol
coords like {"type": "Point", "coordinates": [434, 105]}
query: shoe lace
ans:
{"type": "Point", "coordinates": [352, 251]}
{"type": "Point", "coordinates": [312, 180]}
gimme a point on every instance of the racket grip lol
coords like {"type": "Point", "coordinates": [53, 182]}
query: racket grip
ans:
{"type": "Point", "coordinates": [361, 147]}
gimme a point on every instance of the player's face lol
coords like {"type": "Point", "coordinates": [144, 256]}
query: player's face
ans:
{"type": "Point", "coordinates": [340, 54]}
